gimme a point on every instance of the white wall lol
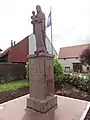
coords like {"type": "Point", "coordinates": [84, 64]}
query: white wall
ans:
{"type": "Point", "coordinates": [84, 68]}
{"type": "Point", "coordinates": [69, 62]}
{"type": "Point", "coordinates": [32, 45]}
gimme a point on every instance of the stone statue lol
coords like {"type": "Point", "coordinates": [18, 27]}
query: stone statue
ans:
{"type": "Point", "coordinates": [39, 29]}
{"type": "Point", "coordinates": [32, 22]}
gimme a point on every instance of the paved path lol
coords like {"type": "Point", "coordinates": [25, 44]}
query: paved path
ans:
{"type": "Point", "coordinates": [67, 109]}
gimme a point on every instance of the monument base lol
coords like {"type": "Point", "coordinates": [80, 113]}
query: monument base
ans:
{"type": "Point", "coordinates": [41, 90]}
{"type": "Point", "coordinates": [42, 106]}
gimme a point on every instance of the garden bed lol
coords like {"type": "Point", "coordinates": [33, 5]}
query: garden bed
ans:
{"type": "Point", "coordinates": [67, 90]}
{"type": "Point", "coordinates": [72, 92]}
{"type": "Point", "coordinates": [10, 95]}
{"type": "Point", "coordinates": [13, 89]}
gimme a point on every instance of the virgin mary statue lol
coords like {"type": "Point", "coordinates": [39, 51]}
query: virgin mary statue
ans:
{"type": "Point", "coordinates": [40, 30]}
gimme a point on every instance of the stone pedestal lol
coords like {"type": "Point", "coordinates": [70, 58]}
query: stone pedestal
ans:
{"type": "Point", "coordinates": [41, 83]}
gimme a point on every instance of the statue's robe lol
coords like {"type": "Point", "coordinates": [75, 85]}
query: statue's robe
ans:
{"type": "Point", "coordinates": [40, 32]}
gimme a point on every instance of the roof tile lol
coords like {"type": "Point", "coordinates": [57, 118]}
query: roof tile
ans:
{"type": "Point", "coordinates": [72, 51]}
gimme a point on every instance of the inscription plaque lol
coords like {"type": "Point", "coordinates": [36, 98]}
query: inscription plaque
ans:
{"type": "Point", "coordinates": [49, 69]}
{"type": "Point", "coordinates": [37, 67]}
{"type": "Point", "coordinates": [34, 67]}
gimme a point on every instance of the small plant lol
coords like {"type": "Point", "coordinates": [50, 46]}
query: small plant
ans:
{"type": "Point", "coordinates": [58, 73]}
{"type": "Point", "coordinates": [88, 82]}
{"type": "Point", "coordinates": [27, 71]}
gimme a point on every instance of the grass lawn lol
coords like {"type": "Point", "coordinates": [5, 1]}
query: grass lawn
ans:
{"type": "Point", "coordinates": [13, 85]}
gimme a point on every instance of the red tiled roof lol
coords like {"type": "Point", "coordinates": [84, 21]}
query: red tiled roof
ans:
{"type": "Point", "coordinates": [72, 51]}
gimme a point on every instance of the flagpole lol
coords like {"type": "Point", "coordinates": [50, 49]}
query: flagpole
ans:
{"type": "Point", "coordinates": [51, 31]}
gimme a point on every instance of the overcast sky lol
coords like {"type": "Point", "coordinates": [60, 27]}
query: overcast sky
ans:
{"type": "Point", "coordinates": [71, 21]}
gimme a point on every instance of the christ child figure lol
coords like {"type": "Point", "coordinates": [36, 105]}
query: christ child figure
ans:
{"type": "Point", "coordinates": [33, 21]}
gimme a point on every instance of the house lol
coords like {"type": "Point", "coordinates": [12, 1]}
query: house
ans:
{"type": "Point", "coordinates": [69, 58]}
{"type": "Point", "coordinates": [4, 55]}
{"type": "Point", "coordinates": [18, 53]}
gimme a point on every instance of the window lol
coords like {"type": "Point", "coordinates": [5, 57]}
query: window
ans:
{"type": "Point", "coordinates": [87, 68]}
{"type": "Point", "coordinates": [67, 69]}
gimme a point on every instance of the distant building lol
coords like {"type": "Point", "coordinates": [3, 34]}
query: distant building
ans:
{"type": "Point", "coordinates": [4, 55]}
{"type": "Point", "coordinates": [70, 58]}
{"type": "Point", "coordinates": [18, 53]}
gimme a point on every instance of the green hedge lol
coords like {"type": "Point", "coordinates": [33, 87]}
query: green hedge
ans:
{"type": "Point", "coordinates": [79, 82]}
{"type": "Point", "coordinates": [27, 71]}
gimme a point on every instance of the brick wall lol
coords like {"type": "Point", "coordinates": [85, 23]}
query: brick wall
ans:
{"type": "Point", "coordinates": [12, 71]}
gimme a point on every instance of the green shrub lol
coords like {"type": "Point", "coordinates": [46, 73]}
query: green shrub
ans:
{"type": "Point", "coordinates": [79, 82]}
{"type": "Point", "coordinates": [27, 71]}
{"type": "Point", "coordinates": [88, 83]}
{"type": "Point", "coordinates": [58, 73]}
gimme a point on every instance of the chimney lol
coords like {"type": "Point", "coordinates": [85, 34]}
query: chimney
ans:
{"type": "Point", "coordinates": [11, 43]}
{"type": "Point", "coordinates": [14, 42]}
